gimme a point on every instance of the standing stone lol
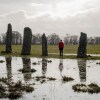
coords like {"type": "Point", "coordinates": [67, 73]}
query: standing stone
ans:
{"type": "Point", "coordinates": [44, 45]}
{"type": "Point", "coordinates": [81, 53]}
{"type": "Point", "coordinates": [26, 48]}
{"type": "Point", "coordinates": [9, 39]}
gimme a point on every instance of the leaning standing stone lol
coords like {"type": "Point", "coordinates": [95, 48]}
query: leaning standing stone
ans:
{"type": "Point", "coordinates": [26, 48]}
{"type": "Point", "coordinates": [81, 53]}
{"type": "Point", "coordinates": [44, 46]}
{"type": "Point", "coordinates": [8, 48]}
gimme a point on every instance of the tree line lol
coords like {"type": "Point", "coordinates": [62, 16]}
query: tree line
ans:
{"type": "Point", "coordinates": [52, 39]}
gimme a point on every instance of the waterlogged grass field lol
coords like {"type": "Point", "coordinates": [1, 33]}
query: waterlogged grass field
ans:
{"type": "Point", "coordinates": [68, 49]}
{"type": "Point", "coordinates": [33, 78]}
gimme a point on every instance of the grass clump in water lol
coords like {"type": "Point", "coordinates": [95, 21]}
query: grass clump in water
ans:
{"type": "Point", "coordinates": [15, 95]}
{"type": "Point", "coordinates": [43, 79]}
{"type": "Point", "coordinates": [51, 79]}
{"type": "Point", "coordinates": [38, 78]}
{"type": "Point", "coordinates": [91, 88]}
{"type": "Point", "coordinates": [2, 88]}
{"type": "Point", "coordinates": [20, 87]}
{"type": "Point", "coordinates": [3, 93]}
{"type": "Point", "coordinates": [98, 63]}
{"type": "Point", "coordinates": [4, 80]}
{"type": "Point", "coordinates": [1, 61]}
{"type": "Point", "coordinates": [34, 63]}
{"type": "Point", "coordinates": [64, 78]}
{"type": "Point", "coordinates": [27, 71]}
{"type": "Point", "coordinates": [28, 88]}
{"type": "Point", "coordinates": [79, 88]}
{"type": "Point", "coordinates": [15, 90]}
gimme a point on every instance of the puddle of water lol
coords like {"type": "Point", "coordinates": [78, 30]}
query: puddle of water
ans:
{"type": "Point", "coordinates": [82, 71]}
{"type": "Point", "coordinates": [97, 55]}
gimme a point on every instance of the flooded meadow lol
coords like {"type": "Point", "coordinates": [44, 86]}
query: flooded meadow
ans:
{"type": "Point", "coordinates": [49, 78]}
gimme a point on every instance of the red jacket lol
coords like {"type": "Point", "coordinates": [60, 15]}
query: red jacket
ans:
{"type": "Point", "coordinates": [61, 45]}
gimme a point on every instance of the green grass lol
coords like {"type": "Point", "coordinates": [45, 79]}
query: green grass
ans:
{"type": "Point", "coordinates": [72, 49]}
{"type": "Point", "coordinates": [67, 49]}
{"type": "Point", "coordinates": [37, 49]}
{"type": "Point", "coordinates": [93, 49]}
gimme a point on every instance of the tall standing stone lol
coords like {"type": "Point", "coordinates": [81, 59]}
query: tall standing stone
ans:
{"type": "Point", "coordinates": [44, 45]}
{"type": "Point", "coordinates": [81, 53]}
{"type": "Point", "coordinates": [26, 48]}
{"type": "Point", "coordinates": [9, 39]}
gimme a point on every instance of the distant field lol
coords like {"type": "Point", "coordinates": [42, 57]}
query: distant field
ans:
{"type": "Point", "coordinates": [91, 49]}
{"type": "Point", "coordinates": [36, 49]}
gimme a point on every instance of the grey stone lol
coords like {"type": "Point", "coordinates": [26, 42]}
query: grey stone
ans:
{"type": "Point", "coordinates": [8, 48]}
{"type": "Point", "coordinates": [44, 46]}
{"type": "Point", "coordinates": [82, 53]}
{"type": "Point", "coordinates": [26, 48]}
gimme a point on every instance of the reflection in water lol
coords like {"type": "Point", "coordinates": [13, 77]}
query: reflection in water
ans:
{"type": "Point", "coordinates": [44, 66]}
{"type": "Point", "coordinates": [27, 68]}
{"type": "Point", "coordinates": [82, 70]}
{"type": "Point", "coordinates": [61, 66]}
{"type": "Point", "coordinates": [8, 66]}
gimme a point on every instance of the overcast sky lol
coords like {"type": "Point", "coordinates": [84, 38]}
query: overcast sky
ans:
{"type": "Point", "coordinates": [51, 16]}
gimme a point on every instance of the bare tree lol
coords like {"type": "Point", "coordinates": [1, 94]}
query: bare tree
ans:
{"type": "Point", "coordinates": [71, 39]}
{"type": "Point", "coordinates": [16, 37]}
{"type": "Point", "coordinates": [53, 39]}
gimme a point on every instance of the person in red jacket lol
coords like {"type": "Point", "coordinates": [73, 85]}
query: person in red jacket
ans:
{"type": "Point", "coordinates": [61, 47]}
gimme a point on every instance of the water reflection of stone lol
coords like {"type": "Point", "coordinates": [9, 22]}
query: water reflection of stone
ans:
{"type": "Point", "coordinates": [8, 66]}
{"type": "Point", "coordinates": [82, 70]}
{"type": "Point", "coordinates": [44, 66]}
{"type": "Point", "coordinates": [27, 68]}
{"type": "Point", "coordinates": [61, 66]}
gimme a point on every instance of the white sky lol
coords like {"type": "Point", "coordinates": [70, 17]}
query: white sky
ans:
{"type": "Point", "coordinates": [51, 16]}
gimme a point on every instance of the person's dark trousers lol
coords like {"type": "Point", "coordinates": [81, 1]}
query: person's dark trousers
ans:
{"type": "Point", "coordinates": [61, 51]}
